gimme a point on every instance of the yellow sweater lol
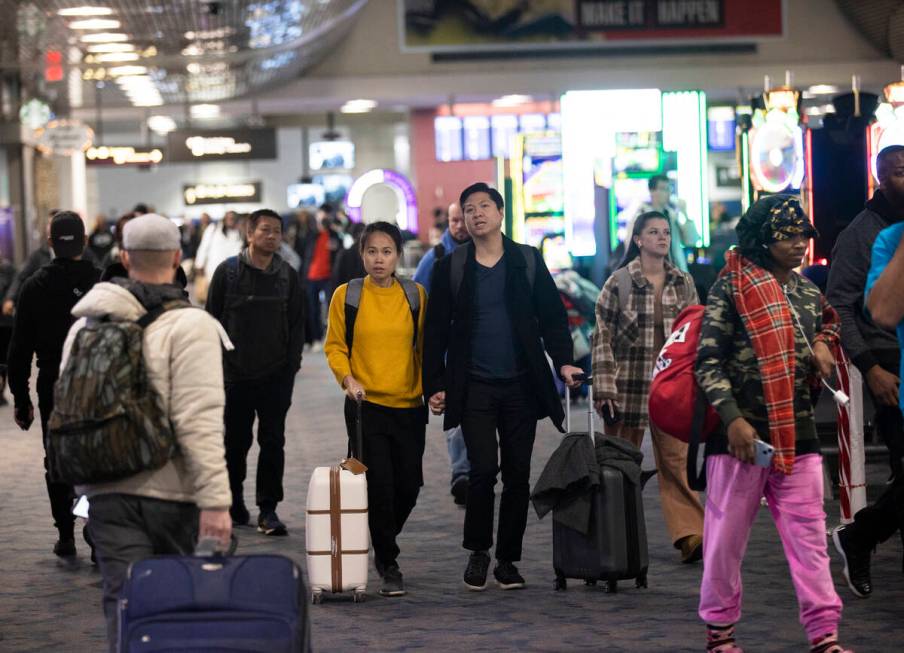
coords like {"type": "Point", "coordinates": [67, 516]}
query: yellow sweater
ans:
{"type": "Point", "coordinates": [382, 358]}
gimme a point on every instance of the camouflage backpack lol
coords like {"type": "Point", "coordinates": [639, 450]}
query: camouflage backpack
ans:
{"type": "Point", "coordinates": [108, 422]}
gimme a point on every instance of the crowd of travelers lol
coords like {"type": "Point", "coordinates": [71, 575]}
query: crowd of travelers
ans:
{"type": "Point", "coordinates": [479, 336]}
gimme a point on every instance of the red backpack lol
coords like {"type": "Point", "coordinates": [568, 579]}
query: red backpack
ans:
{"type": "Point", "coordinates": [674, 394]}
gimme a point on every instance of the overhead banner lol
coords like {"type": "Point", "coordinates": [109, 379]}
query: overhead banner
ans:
{"type": "Point", "coordinates": [248, 192]}
{"type": "Point", "coordinates": [475, 25]}
{"type": "Point", "coordinates": [220, 145]}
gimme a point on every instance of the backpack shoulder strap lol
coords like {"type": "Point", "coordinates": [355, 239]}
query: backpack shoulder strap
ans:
{"type": "Point", "coordinates": [623, 278]}
{"type": "Point", "coordinates": [457, 268]}
{"type": "Point", "coordinates": [697, 479]}
{"type": "Point", "coordinates": [352, 302]}
{"type": "Point", "coordinates": [232, 273]}
{"type": "Point", "coordinates": [531, 260]}
{"type": "Point", "coordinates": [148, 318]}
{"type": "Point", "coordinates": [439, 251]}
{"type": "Point", "coordinates": [413, 295]}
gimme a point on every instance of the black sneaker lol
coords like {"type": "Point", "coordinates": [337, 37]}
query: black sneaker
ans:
{"type": "Point", "coordinates": [239, 514]}
{"type": "Point", "coordinates": [64, 548]}
{"type": "Point", "coordinates": [476, 571]}
{"type": "Point", "coordinates": [856, 562]}
{"type": "Point", "coordinates": [269, 524]}
{"type": "Point", "coordinates": [507, 576]}
{"type": "Point", "coordinates": [392, 582]}
{"type": "Point", "coordinates": [460, 490]}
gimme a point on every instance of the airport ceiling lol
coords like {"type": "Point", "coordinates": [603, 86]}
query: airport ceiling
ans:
{"type": "Point", "coordinates": [147, 53]}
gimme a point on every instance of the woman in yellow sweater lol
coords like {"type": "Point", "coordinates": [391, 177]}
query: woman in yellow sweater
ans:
{"type": "Point", "coordinates": [378, 362]}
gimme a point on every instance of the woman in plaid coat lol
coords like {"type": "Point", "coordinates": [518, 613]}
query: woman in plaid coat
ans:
{"type": "Point", "coordinates": [634, 316]}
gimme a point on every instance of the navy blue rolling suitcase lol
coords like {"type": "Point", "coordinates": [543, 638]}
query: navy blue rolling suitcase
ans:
{"type": "Point", "coordinates": [214, 604]}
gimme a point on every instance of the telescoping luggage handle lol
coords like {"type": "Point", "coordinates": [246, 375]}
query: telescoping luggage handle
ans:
{"type": "Point", "coordinates": [354, 463]}
{"type": "Point", "coordinates": [587, 380]}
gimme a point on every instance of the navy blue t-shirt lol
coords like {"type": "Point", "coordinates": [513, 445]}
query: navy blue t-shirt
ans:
{"type": "Point", "coordinates": [494, 354]}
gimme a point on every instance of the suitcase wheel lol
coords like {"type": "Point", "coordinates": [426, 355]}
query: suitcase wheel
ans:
{"type": "Point", "coordinates": [317, 597]}
{"type": "Point", "coordinates": [560, 584]}
{"type": "Point", "coordinates": [611, 586]}
{"type": "Point", "coordinates": [590, 582]}
{"type": "Point", "coordinates": [359, 596]}
{"type": "Point", "coordinates": [641, 581]}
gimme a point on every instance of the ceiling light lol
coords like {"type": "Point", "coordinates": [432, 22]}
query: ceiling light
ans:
{"type": "Point", "coordinates": [95, 23]}
{"type": "Point", "coordinates": [822, 89]}
{"type": "Point", "coordinates": [104, 37]}
{"type": "Point", "coordinates": [111, 47]}
{"type": "Point", "coordinates": [126, 71]}
{"type": "Point", "coordinates": [358, 106]}
{"type": "Point", "coordinates": [161, 124]}
{"type": "Point", "coordinates": [116, 57]}
{"type": "Point", "coordinates": [205, 111]}
{"type": "Point", "coordinates": [511, 100]}
{"type": "Point", "coordinates": [85, 11]}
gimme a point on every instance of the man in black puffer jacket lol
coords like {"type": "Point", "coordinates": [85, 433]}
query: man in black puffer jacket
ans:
{"type": "Point", "coordinates": [43, 318]}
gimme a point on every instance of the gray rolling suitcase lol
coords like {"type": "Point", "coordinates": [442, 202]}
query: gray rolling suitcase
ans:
{"type": "Point", "coordinates": [615, 548]}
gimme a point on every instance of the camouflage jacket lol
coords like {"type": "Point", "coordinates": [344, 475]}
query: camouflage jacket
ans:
{"type": "Point", "coordinates": [623, 345]}
{"type": "Point", "coordinates": [727, 368]}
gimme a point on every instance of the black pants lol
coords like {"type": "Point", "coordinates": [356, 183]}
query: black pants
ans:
{"type": "Point", "coordinates": [505, 407]}
{"type": "Point", "coordinates": [314, 321]}
{"type": "Point", "coordinates": [882, 519]}
{"type": "Point", "coordinates": [393, 452]}
{"type": "Point", "coordinates": [889, 422]}
{"type": "Point", "coordinates": [61, 495]}
{"type": "Point", "coordinates": [125, 529]}
{"type": "Point", "coordinates": [268, 399]}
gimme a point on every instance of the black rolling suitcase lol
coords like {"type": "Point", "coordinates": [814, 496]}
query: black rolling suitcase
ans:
{"type": "Point", "coordinates": [615, 548]}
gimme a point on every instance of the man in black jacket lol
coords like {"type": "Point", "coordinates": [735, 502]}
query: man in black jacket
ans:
{"type": "Point", "coordinates": [872, 349]}
{"type": "Point", "coordinates": [484, 366]}
{"type": "Point", "coordinates": [43, 318]}
{"type": "Point", "coordinates": [257, 297]}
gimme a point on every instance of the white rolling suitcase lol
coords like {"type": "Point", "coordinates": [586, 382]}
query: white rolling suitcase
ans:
{"type": "Point", "coordinates": [337, 533]}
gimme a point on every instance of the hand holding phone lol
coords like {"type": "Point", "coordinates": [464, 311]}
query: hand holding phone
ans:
{"type": "Point", "coordinates": [763, 453]}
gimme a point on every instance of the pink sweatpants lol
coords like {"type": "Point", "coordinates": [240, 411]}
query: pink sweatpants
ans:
{"type": "Point", "coordinates": [796, 503]}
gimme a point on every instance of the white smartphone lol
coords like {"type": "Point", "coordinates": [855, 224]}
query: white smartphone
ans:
{"type": "Point", "coordinates": [764, 452]}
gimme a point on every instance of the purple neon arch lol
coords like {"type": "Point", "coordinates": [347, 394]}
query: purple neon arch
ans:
{"type": "Point", "coordinates": [407, 218]}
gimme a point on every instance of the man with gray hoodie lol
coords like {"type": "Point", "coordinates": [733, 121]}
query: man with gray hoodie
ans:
{"type": "Point", "coordinates": [162, 511]}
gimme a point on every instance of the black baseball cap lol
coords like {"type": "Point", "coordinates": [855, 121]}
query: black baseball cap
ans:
{"type": "Point", "coordinates": [67, 234]}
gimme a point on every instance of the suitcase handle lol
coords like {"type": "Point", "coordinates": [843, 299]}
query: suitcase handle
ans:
{"type": "Point", "coordinates": [359, 431]}
{"type": "Point", "coordinates": [585, 379]}
{"type": "Point", "coordinates": [209, 547]}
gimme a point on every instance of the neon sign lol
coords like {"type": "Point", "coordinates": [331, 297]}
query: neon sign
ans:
{"type": "Point", "coordinates": [406, 218]}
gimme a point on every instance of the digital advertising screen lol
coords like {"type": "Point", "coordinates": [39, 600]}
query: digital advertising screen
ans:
{"type": "Point", "coordinates": [331, 155]}
{"type": "Point", "coordinates": [335, 187]}
{"type": "Point", "coordinates": [305, 196]}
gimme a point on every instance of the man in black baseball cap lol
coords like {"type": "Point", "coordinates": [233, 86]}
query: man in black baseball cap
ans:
{"type": "Point", "coordinates": [42, 321]}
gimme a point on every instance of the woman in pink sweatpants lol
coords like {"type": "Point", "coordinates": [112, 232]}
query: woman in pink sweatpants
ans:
{"type": "Point", "coordinates": [767, 334]}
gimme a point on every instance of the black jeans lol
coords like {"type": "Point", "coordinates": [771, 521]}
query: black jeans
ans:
{"type": "Point", "coordinates": [315, 310]}
{"type": "Point", "coordinates": [889, 422]}
{"type": "Point", "coordinates": [61, 495]}
{"type": "Point", "coordinates": [508, 408]}
{"type": "Point", "coordinates": [393, 452]}
{"type": "Point", "coordinates": [269, 399]}
{"type": "Point", "coordinates": [127, 528]}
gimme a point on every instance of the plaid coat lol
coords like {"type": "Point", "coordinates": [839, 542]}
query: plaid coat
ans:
{"type": "Point", "coordinates": [623, 342]}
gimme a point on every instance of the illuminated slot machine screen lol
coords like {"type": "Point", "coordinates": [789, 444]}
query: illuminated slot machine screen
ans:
{"type": "Point", "coordinates": [638, 156]}
{"type": "Point", "coordinates": [542, 200]}
{"type": "Point", "coordinates": [776, 153]}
